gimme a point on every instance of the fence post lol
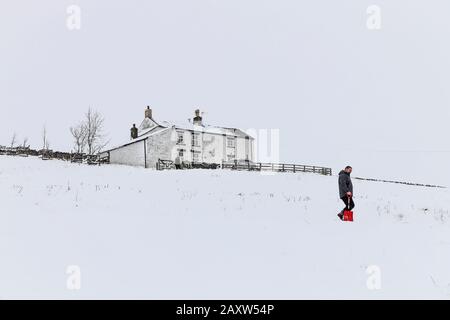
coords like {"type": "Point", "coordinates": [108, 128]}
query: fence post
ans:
{"type": "Point", "coordinates": [283, 167]}
{"type": "Point", "coordinates": [294, 168]}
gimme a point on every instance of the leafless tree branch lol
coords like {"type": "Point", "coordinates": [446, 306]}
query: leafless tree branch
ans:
{"type": "Point", "coordinates": [13, 140]}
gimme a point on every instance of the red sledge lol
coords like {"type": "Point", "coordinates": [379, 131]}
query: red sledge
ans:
{"type": "Point", "coordinates": [348, 214]}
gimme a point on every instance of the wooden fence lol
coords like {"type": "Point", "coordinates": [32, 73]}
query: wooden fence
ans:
{"type": "Point", "coordinates": [276, 167]}
{"type": "Point", "coordinates": [165, 164]}
{"type": "Point", "coordinates": [247, 166]}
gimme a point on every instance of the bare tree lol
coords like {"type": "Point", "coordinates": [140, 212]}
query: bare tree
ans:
{"type": "Point", "coordinates": [45, 143]}
{"type": "Point", "coordinates": [13, 140]}
{"type": "Point", "coordinates": [79, 135]}
{"type": "Point", "coordinates": [25, 141]}
{"type": "Point", "coordinates": [94, 126]}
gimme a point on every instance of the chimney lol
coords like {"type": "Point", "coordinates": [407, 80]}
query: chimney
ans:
{"type": "Point", "coordinates": [134, 132]}
{"type": "Point", "coordinates": [197, 118]}
{"type": "Point", "coordinates": [148, 112]}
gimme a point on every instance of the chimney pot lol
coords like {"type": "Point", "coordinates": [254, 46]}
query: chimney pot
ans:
{"type": "Point", "coordinates": [148, 112]}
{"type": "Point", "coordinates": [134, 131]}
{"type": "Point", "coordinates": [197, 119]}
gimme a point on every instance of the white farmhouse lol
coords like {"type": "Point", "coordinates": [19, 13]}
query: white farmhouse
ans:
{"type": "Point", "coordinates": [194, 142]}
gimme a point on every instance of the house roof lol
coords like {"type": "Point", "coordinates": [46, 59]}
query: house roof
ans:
{"type": "Point", "coordinates": [165, 125]}
{"type": "Point", "coordinates": [140, 138]}
{"type": "Point", "coordinates": [207, 129]}
{"type": "Point", "coordinates": [146, 131]}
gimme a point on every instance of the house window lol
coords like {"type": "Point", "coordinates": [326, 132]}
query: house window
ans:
{"type": "Point", "coordinates": [196, 156]}
{"type": "Point", "coordinates": [230, 157]}
{"type": "Point", "coordinates": [195, 139]}
{"type": "Point", "coordinates": [181, 153]}
{"type": "Point", "coordinates": [180, 139]}
{"type": "Point", "coordinates": [231, 142]}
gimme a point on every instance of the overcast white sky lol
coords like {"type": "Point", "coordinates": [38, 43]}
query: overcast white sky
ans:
{"type": "Point", "coordinates": [338, 92]}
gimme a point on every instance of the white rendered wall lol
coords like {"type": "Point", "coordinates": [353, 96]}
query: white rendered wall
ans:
{"type": "Point", "coordinates": [132, 155]}
{"type": "Point", "coordinates": [161, 146]}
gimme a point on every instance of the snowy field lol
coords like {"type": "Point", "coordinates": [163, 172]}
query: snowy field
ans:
{"type": "Point", "coordinates": [201, 234]}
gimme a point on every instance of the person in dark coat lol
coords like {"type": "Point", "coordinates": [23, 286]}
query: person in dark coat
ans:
{"type": "Point", "coordinates": [346, 190]}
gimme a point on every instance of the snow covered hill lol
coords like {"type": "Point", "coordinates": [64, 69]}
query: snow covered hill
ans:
{"type": "Point", "coordinates": [200, 234]}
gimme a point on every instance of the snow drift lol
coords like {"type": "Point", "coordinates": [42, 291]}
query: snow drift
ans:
{"type": "Point", "coordinates": [207, 234]}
